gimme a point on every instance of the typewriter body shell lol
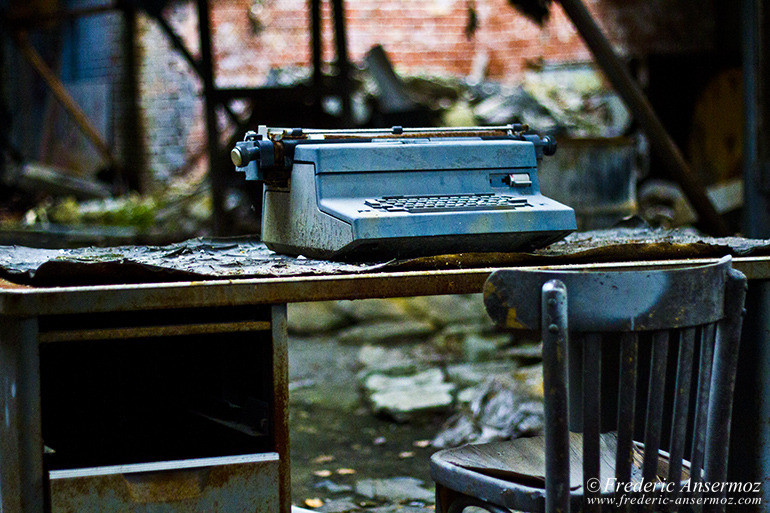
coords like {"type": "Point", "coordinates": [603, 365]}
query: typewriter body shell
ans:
{"type": "Point", "coordinates": [381, 198]}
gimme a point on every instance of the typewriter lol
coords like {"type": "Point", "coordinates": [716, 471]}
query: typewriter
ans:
{"type": "Point", "coordinates": [374, 194]}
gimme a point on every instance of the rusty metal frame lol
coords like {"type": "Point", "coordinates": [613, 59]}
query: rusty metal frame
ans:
{"type": "Point", "coordinates": [22, 301]}
{"type": "Point", "coordinates": [21, 440]}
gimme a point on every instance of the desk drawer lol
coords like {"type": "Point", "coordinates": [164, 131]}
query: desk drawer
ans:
{"type": "Point", "coordinates": [207, 485]}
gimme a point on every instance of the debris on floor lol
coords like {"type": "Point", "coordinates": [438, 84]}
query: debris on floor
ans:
{"type": "Point", "coordinates": [404, 397]}
{"type": "Point", "coordinates": [497, 409]}
{"type": "Point", "coordinates": [395, 489]}
{"type": "Point", "coordinates": [368, 411]}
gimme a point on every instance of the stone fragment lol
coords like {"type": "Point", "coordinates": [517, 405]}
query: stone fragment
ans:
{"type": "Point", "coordinates": [465, 374]}
{"type": "Point", "coordinates": [530, 380]}
{"type": "Point", "coordinates": [362, 310]}
{"type": "Point", "coordinates": [332, 487]}
{"type": "Point", "coordinates": [341, 505]}
{"type": "Point", "coordinates": [385, 332]}
{"type": "Point", "coordinates": [395, 489]}
{"type": "Point", "coordinates": [405, 397]}
{"type": "Point", "coordinates": [450, 309]}
{"type": "Point", "coordinates": [311, 318]}
{"type": "Point", "coordinates": [378, 358]}
{"type": "Point", "coordinates": [498, 409]}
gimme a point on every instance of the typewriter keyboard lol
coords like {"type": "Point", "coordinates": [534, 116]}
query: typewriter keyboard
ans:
{"type": "Point", "coordinates": [446, 203]}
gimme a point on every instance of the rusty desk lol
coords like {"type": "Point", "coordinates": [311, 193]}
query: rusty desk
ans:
{"type": "Point", "coordinates": [37, 320]}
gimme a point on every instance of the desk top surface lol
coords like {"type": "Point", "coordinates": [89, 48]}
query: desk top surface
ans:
{"type": "Point", "coordinates": [205, 273]}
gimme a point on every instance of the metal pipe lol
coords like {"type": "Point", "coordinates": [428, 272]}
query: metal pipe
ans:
{"type": "Point", "coordinates": [343, 61]}
{"type": "Point", "coordinates": [629, 91]}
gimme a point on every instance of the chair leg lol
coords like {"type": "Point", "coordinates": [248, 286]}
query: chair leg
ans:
{"type": "Point", "coordinates": [451, 501]}
{"type": "Point", "coordinates": [444, 497]}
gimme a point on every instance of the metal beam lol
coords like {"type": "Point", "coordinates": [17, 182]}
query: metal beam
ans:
{"type": "Point", "coordinates": [756, 146]}
{"type": "Point", "coordinates": [216, 173]}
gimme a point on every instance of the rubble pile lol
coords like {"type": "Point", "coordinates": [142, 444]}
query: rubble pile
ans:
{"type": "Point", "coordinates": [379, 385]}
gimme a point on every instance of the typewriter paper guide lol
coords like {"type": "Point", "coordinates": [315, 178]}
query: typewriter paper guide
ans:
{"type": "Point", "coordinates": [404, 198]}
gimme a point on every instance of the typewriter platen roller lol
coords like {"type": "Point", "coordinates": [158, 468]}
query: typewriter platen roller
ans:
{"type": "Point", "coordinates": [401, 192]}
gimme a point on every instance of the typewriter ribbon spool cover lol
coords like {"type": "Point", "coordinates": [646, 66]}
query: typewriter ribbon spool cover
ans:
{"type": "Point", "coordinates": [402, 192]}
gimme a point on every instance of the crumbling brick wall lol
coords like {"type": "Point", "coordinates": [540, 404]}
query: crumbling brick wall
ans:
{"type": "Point", "coordinates": [251, 37]}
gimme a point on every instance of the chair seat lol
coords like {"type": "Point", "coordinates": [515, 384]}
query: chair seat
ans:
{"type": "Point", "coordinates": [512, 473]}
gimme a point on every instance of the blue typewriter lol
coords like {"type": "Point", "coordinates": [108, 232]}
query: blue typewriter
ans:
{"type": "Point", "coordinates": [401, 192]}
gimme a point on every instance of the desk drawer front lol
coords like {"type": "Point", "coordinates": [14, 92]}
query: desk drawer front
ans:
{"type": "Point", "coordinates": [210, 485]}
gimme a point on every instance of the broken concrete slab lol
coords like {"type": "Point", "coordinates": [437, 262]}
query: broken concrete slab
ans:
{"type": "Point", "coordinates": [386, 332]}
{"type": "Point", "coordinates": [454, 309]}
{"type": "Point", "coordinates": [497, 409]}
{"type": "Point", "coordinates": [332, 487]}
{"type": "Point", "coordinates": [404, 405]}
{"type": "Point", "coordinates": [312, 318]}
{"type": "Point", "coordinates": [378, 358]}
{"type": "Point", "coordinates": [473, 373]}
{"type": "Point", "coordinates": [403, 398]}
{"type": "Point", "coordinates": [451, 339]}
{"type": "Point", "coordinates": [373, 309]}
{"type": "Point", "coordinates": [341, 505]}
{"type": "Point", "coordinates": [378, 382]}
{"type": "Point", "coordinates": [395, 489]}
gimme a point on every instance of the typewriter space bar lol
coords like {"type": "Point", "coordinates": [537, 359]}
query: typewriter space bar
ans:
{"type": "Point", "coordinates": [473, 208]}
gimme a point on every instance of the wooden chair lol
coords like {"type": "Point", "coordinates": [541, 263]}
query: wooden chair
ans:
{"type": "Point", "coordinates": [685, 321]}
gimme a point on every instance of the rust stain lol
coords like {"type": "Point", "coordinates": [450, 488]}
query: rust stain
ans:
{"type": "Point", "coordinates": [511, 321]}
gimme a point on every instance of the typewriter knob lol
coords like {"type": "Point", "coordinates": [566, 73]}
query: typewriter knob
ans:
{"type": "Point", "coordinates": [549, 145]}
{"type": "Point", "coordinates": [237, 157]}
{"type": "Point", "coordinates": [249, 151]}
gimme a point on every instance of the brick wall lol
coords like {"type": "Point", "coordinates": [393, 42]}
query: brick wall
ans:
{"type": "Point", "coordinates": [429, 36]}
{"type": "Point", "coordinates": [420, 37]}
{"type": "Point", "coordinates": [170, 106]}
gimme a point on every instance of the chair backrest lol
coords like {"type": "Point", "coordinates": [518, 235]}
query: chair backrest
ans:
{"type": "Point", "coordinates": [689, 315]}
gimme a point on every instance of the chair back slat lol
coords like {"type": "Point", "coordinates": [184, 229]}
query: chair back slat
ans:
{"type": "Point", "coordinates": [655, 400]}
{"type": "Point", "coordinates": [629, 356]}
{"type": "Point", "coordinates": [555, 334]}
{"type": "Point", "coordinates": [705, 361]}
{"type": "Point", "coordinates": [681, 410]}
{"type": "Point", "coordinates": [723, 384]}
{"type": "Point", "coordinates": [592, 371]}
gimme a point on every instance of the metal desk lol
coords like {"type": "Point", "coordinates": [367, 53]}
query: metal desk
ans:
{"type": "Point", "coordinates": [22, 476]}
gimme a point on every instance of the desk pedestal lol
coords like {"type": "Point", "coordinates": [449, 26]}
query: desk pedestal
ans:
{"type": "Point", "coordinates": [172, 410]}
